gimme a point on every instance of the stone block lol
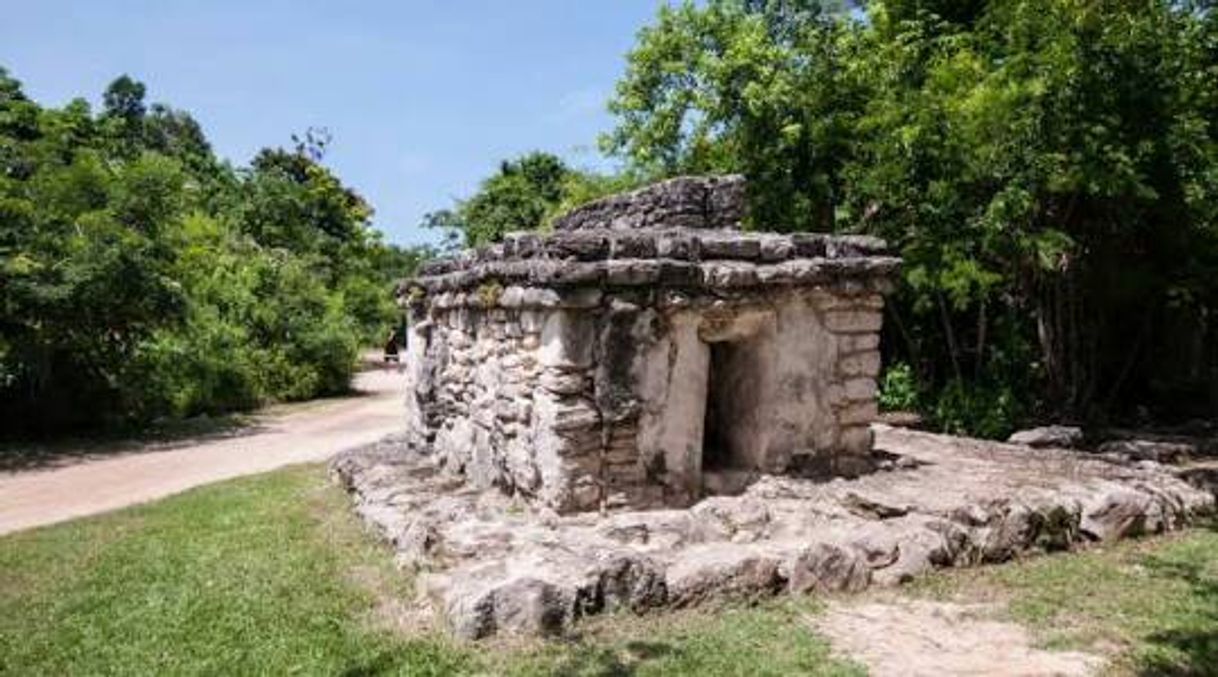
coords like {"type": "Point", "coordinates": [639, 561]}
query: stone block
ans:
{"type": "Point", "coordinates": [512, 297]}
{"type": "Point", "coordinates": [854, 343]}
{"type": "Point", "coordinates": [587, 246]}
{"type": "Point", "coordinates": [571, 274]}
{"type": "Point", "coordinates": [736, 247]}
{"type": "Point", "coordinates": [539, 297]}
{"type": "Point", "coordinates": [674, 245]}
{"type": "Point", "coordinates": [855, 440]}
{"type": "Point", "coordinates": [627, 473]}
{"type": "Point", "coordinates": [860, 364]}
{"type": "Point", "coordinates": [585, 494]}
{"type": "Point", "coordinates": [573, 414]}
{"type": "Point", "coordinates": [729, 274]}
{"type": "Point", "coordinates": [828, 567]}
{"type": "Point", "coordinates": [580, 298]}
{"type": "Point", "coordinates": [679, 274]}
{"type": "Point", "coordinates": [568, 340]}
{"type": "Point", "coordinates": [565, 383]}
{"type": "Point", "coordinates": [775, 275]}
{"type": "Point", "coordinates": [776, 248]}
{"type": "Point", "coordinates": [858, 413]}
{"type": "Point", "coordinates": [633, 245]}
{"type": "Point", "coordinates": [632, 272]}
{"type": "Point", "coordinates": [624, 455]}
{"type": "Point", "coordinates": [802, 271]}
{"type": "Point", "coordinates": [861, 389]}
{"type": "Point", "coordinates": [853, 321]}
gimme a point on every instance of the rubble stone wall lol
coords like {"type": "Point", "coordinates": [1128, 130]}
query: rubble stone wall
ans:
{"type": "Point", "coordinates": [623, 360]}
{"type": "Point", "coordinates": [590, 398]}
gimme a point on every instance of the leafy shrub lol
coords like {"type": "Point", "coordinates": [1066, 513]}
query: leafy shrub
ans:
{"type": "Point", "coordinates": [141, 278]}
{"type": "Point", "coordinates": [898, 388]}
{"type": "Point", "coordinates": [985, 410]}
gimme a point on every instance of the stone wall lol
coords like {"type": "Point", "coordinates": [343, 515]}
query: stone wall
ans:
{"type": "Point", "coordinates": [578, 368]}
{"type": "Point", "coordinates": [597, 398]}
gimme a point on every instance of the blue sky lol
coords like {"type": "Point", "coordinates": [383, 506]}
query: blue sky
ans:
{"type": "Point", "coordinates": [423, 97]}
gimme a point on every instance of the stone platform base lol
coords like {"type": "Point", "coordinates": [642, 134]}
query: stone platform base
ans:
{"type": "Point", "coordinates": [490, 564]}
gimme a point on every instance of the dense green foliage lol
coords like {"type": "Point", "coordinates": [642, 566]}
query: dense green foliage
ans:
{"type": "Point", "coordinates": [524, 194]}
{"type": "Point", "coordinates": [141, 277]}
{"type": "Point", "coordinates": [1045, 167]}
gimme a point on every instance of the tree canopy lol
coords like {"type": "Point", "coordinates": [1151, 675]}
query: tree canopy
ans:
{"type": "Point", "coordinates": [524, 194]}
{"type": "Point", "coordinates": [142, 277]}
{"type": "Point", "coordinates": [1045, 167]}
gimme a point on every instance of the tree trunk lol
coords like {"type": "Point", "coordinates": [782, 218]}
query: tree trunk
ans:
{"type": "Point", "coordinates": [950, 334]}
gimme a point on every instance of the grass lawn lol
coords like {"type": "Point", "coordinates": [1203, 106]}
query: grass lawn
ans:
{"type": "Point", "coordinates": [272, 574]}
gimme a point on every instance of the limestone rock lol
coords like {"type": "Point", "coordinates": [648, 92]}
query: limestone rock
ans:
{"type": "Point", "coordinates": [1059, 436]}
{"type": "Point", "coordinates": [827, 567]}
{"type": "Point", "coordinates": [719, 571]}
{"type": "Point", "coordinates": [1148, 450]}
{"type": "Point", "coordinates": [498, 565]}
{"type": "Point", "coordinates": [1115, 513]}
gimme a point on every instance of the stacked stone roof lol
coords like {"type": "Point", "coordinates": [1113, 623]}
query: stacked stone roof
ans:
{"type": "Point", "coordinates": [682, 233]}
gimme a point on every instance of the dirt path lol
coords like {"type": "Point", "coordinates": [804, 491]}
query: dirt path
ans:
{"type": "Point", "coordinates": [283, 436]}
{"type": "Point", "coordinates": [916, 638]}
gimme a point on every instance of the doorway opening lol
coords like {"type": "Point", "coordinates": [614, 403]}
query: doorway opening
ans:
{"type": "Point", "coordinates": [722, 408]}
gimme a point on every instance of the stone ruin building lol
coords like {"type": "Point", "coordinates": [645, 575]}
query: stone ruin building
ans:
{"type": "Point", "coordinates": [702, 381]}
{"type": "Point", "coordinates": [647, 352]}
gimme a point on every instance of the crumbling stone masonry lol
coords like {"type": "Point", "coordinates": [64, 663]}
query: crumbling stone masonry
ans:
{"type": "Point", "coordinates": [647, 352]}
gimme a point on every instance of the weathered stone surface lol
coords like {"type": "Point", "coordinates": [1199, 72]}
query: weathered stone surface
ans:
{"type": "Point", "coordinates": [501, 566]}
{"type": "Point", "coordinates": [862, 321]}
{"type": "Point", "coordinates": [828, 567]}
{"type": "Point", "coordinates": [723, 571]}
{"type": "Point", "coordinates": [1060, 436]}
{"type": "Point", "coordinates": [645, 339]}
{"type": "Point", "coordinates": [1115, 513]}
{"type": "Point", "coordinates": [1148, 450]}
{"type": "Point", "coordinates": [689, 202]}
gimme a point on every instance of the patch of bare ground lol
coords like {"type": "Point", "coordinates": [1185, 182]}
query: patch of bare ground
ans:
{"type": "Point", "coordinates": [905, 637]}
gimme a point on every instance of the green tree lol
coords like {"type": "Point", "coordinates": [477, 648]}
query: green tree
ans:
{"type": "Point", "coordinates": [517, 197]}
{"type": "Point", "coordinates": [526, 193]}
{"type": "Point", "coordinates": [141, 277]}
{"type": "Point", "coordinates": [766, 88]}
{"type": "Point", "coordinates": [1042, 167]}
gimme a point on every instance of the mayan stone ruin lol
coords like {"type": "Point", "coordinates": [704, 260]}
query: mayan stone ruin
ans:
{"type": "Point", "coordinates": [648, 352]}
{"type": "Point", "coordinates": [649, 408]}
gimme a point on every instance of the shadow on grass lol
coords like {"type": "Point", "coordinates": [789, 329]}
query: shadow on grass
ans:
{"type": "Point", "coordinates": [1191, 647]}
{"type": "Point", "coordinates": [587, 659]}
{"type": "Point", "coordinates": [416, 658]}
